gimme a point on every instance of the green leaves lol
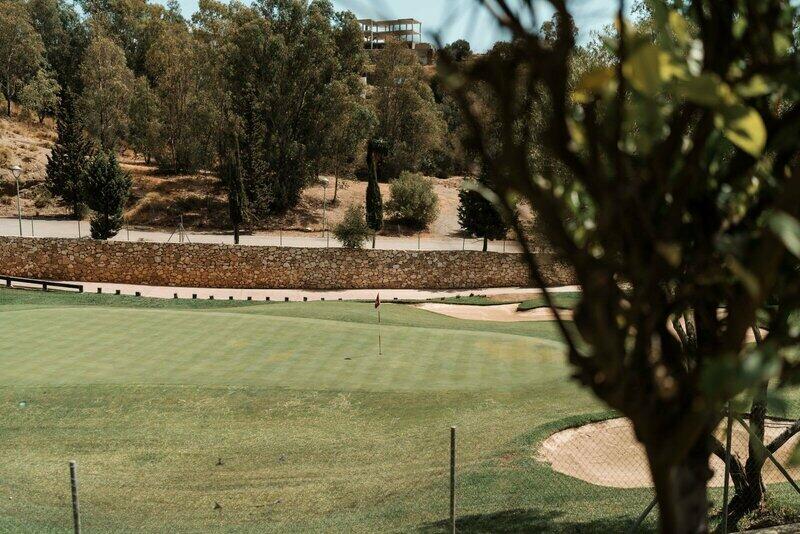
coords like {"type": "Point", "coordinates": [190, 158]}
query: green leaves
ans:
{"type": "Point", "coordinates": [706, 90]}
{"type": "Point", "coordinates": [741, 124]}
{"type": "Point", "coordinates": [787, 228]}
{"type": "Point", "coordinates": [649, 67]}
{"type": "Point", "coordinates": [743, 127]}
{"type": "Point", "coordinates": [644, 70]}
{"type": "Point", "coordinates": [734, 373]}
{"type": "Point", "coordinates": [594, 82]}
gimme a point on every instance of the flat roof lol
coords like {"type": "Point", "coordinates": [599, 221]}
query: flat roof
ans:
{"type": "Point", "coordinates": [389, 22]}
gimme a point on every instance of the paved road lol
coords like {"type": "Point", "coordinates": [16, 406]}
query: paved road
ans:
{"type": "Point", "coordinates": [66, 228]}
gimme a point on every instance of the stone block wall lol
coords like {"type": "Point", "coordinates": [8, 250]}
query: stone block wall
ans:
{"type": "Point", "coordinates": [246, 267]}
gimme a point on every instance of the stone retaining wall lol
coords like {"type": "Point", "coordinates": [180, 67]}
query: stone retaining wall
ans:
{"type": "Point", "coordinates": [246, 267]}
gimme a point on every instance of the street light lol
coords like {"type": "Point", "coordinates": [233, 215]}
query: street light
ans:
{"type": "Point", "coordinates": [16, 170]}
{"type": "Point", "coordinates": [324, 181]}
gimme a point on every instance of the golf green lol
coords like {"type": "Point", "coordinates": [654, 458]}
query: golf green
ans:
{"type": "Point", "coordinates": [198, 416]}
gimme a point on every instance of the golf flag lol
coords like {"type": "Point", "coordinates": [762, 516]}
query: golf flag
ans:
{"type": "Point", "coordinates": [378, 309]}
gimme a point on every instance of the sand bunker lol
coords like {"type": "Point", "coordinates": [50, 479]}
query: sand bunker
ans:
{"type": "Point", "coordinates": [506, 313]}
{"type": "Point", "coordinates": [607, 454]}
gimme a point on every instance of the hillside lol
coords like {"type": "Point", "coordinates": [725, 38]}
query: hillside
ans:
{"type": "Point", "coordinates": [158, 200]}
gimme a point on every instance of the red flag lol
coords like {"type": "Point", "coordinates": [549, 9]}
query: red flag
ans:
{"type": "Point", "coordinates": [378, 301]}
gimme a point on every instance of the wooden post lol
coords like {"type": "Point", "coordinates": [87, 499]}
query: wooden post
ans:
{"type": "Point", "coordinates": [453, 480]}
{"type": "Point", "coordinates": [76, 513]}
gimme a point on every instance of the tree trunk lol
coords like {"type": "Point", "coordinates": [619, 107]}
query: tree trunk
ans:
{"type": "Point", "coordinates": [485, 244]}
{"type": "Point", "coordinates": [373, 239]}
{"type": "Point", "coordinates": [8, 107]}
{"type": "Point", "coordinates": [335, 186]}
{"type": "Point", "coordinates": [681, 489]}
{"type": "Point", "coordinates": [752, 494]}
{"type": "Point", "coordinates": [236, 234]}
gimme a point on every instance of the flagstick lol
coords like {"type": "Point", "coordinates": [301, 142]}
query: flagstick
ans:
{"type": "Point", "coordinates": [380, 349]}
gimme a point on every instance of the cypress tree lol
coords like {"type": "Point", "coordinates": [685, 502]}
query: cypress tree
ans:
{"type": "Point", "coordinates": [375, 151]}
{"type": "Point", "coordinates": [231, 175]}
{"type": "Point", "coordinates": [66, 164]}
{"type": "Point", "coordinates": [479, 217]}
{"type": "Point", "coordinates": [106, 188]}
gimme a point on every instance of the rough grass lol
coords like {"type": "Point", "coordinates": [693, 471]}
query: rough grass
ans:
{"type": "Point", "coordinates": [565, 301]}
{"type": "Point", "coordinates": [149, 395]}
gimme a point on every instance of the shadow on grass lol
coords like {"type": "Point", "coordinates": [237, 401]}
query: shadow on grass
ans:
{"type": "Point", "coordinates": [531, 520]}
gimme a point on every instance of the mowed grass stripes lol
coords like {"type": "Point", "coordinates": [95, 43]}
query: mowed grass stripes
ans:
{"type": "Point", "coordinates": [98, 345]}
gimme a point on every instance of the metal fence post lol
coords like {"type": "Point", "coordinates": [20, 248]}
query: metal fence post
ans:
{"type": "Point", "coordinates": [726, 485]}
{"type": "Point", "coordinates": [453, 480]}
{"type": "Point", "coordinates": [76, 513]}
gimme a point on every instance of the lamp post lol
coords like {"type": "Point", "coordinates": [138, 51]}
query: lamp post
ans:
{"type": "Point", "coordinates": [324, 181]}
{"type": "Point", "coordinates": [16, 170]}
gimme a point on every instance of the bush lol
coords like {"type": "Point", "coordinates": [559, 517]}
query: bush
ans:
{"type": "Point", "coordinates": [414, 202]}
{"type": "Point", "coordinates": [42, 197]}
{"type": "Point", "coordinates": [352, 231]}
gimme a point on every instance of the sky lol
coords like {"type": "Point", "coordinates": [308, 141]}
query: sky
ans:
{"type": "Point", "coordinates": [459, 19]}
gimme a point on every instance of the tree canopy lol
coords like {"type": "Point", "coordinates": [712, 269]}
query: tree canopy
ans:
{"type": "Point", "coordinates": [21, 50]}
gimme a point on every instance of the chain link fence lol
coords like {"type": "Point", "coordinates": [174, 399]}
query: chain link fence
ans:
{"type": "Point", "coordinates": [753, 481]}
{"type": "Point", "coordinates": [589, 477]}
{"type": "Point", "coordinates": [30, 227]}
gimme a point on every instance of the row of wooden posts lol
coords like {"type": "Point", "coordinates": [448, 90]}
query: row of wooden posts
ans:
{"type": "Point", "coordinates": [76, 510]}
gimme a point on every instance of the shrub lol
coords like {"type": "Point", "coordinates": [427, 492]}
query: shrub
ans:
{"type": "Point", "coordinates": [413, 202]}
{"type": "Point", "coordinates": [352, 231]}
{"type": "Point", "coordinates": [42, 197]}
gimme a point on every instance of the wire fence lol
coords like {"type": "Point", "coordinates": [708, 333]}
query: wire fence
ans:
{"type": "Point", "coordinates": [31, 227]}
{"type": "Point", "coordinates": [752, 475]}
{"type": "Point", "coordinates": [591, 478]}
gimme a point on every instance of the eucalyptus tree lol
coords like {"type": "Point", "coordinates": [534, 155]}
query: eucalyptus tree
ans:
{"type": "Point", "coordinates": [21, 50]}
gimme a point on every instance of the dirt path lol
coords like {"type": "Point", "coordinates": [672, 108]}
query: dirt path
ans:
{"type": "Point", "coordinates": [387, 295]}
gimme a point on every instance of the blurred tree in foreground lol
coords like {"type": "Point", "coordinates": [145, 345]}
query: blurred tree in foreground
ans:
{"type": "Point", "coordinates": [669, 178]}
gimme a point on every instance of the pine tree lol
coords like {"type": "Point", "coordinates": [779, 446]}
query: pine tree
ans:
{"type": "Point", "coordinates": [66, 164]}
{"type": "Point", "coordinates": [375, 151]}
{"type": "Point", "coordinates": [478, 217]}
{"type": "Point", "coordinates": [106, 189]}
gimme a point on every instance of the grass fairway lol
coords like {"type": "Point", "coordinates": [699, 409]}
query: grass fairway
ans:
{"type": "Point", "coordinates": [316, 432]}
